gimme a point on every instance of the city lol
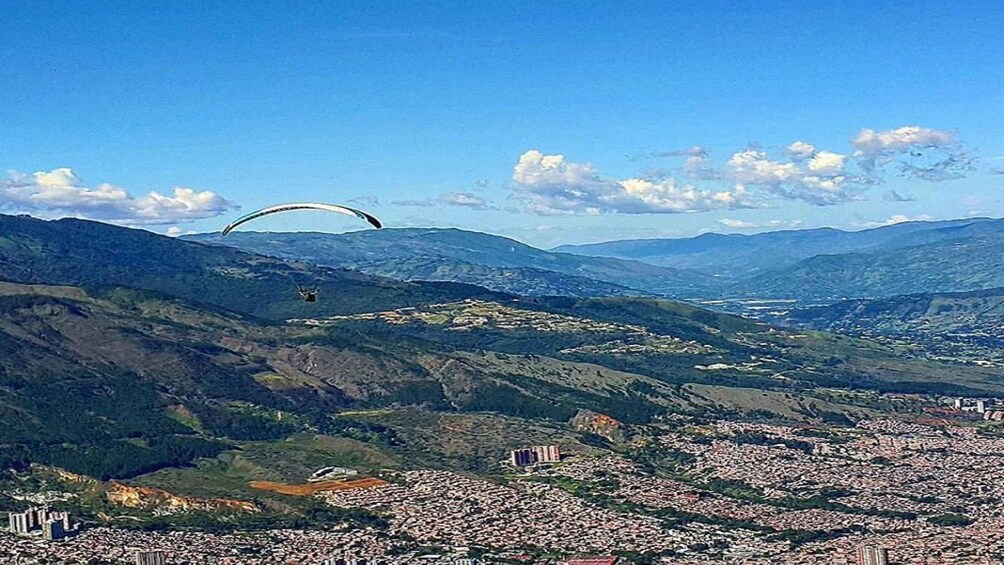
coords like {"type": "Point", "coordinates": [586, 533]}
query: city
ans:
{"type": "Point", "coordinates": [379, 282]}
{"type": "Point", "coordinates": [744, 493]}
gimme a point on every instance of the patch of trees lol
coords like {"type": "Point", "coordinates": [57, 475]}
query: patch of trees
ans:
{"type": "Point", "coordinates": [361, 431]}
{"type": "Point", "coordinates": [243, 423]}
{"type": "Point", "coordinates": [414, 393]}
{"type": "Point", "coordinates": [118, 459]}
{"type": "Point", "coordinates": [509, 400]}
{"type": "Point", "coordinates": [950, 520]}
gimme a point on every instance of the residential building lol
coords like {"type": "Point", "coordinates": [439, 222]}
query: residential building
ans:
{"type": "Point", "coordinates": [870, 555]}
{"type": "Point", "coordinates": [52, 530]}
{"type": "Point", "coordinates": [546, 453]}
{"type": "Point", "coordinates": [536, 454]}
{"type": "Point", "coordinates": [19, 523]}
{"type": "Point", "coordinates": [521, 457]}
{"type": "Point", "coordinates": [151, 557]}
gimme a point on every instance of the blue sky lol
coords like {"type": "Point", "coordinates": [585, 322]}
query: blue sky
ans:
{"type": "Point", "coordinates": [421, 113]}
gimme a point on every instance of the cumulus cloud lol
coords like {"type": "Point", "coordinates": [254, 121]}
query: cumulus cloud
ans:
{"type": "Point", "coordinates": [918, 152]}
{"type": "Point", "coordinates": [801, 150]}
{"type": "Point", "coordinates": [737, 224]}
{"type": "Point", "coordinates": [745, 225]}
{"type": "Point", "coordinates": [457, 198]}
{"type": "Point", "coordinates": [175, 231]}
{"type": "Point", "coordinates": [61, 192]}
{"type": "Point", "coordinates": [895, 219]}
{"type": "Point", "coordinates": [827, 163]}
{"type": "Point", "coordinates": [788, 223]}
{"type": "Point", "coordinates": [464, 199]}
{"type": "Point", "coordinates": [551, 185]}
{"type": "Point", "coordinates": [820, 181]}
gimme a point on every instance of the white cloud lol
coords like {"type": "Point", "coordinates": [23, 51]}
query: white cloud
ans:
{"type": "Point", "coordinates": [57, 177]}
{"type": "Point", "coordinates": [61, 192]}
{"type": "Point", "coordinates": [801, 150]}
{"type": "Point", "coordinates": [822, 182]}
{"type": "Point", "coordinates": [175, 231]}
{"type": "Point", "coordinates": [464, 199]}
{"type": "Point", "coordinates": [900, 140]}
{"type": "Point", "coordinates": [737, 224]}
{"type": "Point", "coordinates": [895, 219]}
{"type": "Point", "coordinates": [550, 185]}
{"type": "Point", "coordinates": [788, 223]}
{"type": "Point", "coordinates": [918, 152]}
{"type": "Point", "coordinates": [827, 163]}
{"type": "Point", "coordinates": [752, 166]}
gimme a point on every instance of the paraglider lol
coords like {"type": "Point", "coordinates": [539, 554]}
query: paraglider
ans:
{"type": "Point", "coordinates": [303, 206]}
{"type": "Point", "coordinates": [306, 294]}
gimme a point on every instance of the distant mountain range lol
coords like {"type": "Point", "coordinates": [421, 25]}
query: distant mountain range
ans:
{"type": "Point", "coordinates": [958, 262]}
{"type": "Point", "coordinates": [954, 325]}
{"type": "Point", "coordinates": [814, 265]}
{"type": "Point", "coordinates": [940, 313]}
{"type": "Point", "coordinates": [456, 255]}
{"type": "Point", "coordinates": [738, 256]}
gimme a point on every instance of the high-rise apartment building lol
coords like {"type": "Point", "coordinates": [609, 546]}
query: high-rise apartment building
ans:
{"type": "Point", "coordinates": [870, 555]}
{"type": "Point", "coordinates": [535, 454]}
{"type": "Point", "coordinates": [151, 557]}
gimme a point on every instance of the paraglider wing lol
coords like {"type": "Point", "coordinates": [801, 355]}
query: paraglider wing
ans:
{"type": "Point", "coordinates": [303, 206]}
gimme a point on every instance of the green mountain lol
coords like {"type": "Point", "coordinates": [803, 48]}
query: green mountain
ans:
{"type": "Point", "coordinates": [491, 261]}
{"type": "Point", "coordinates": [807, 265]}
{"type": "Point", "coordinates": [971, 323]}
{"type": "Point", "coordinates": [740, 256]}
{"type": "Point", "coordinates": [181, 381]}
{"type": "Point", "coordinates": [82, 253]}
{"type": "Point", "coordinates": [947, 265]}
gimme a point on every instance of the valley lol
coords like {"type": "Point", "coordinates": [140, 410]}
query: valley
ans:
{"type": "Point", "coordinates": [203, 398]}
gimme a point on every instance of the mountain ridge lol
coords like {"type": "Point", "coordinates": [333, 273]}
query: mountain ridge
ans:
{"type": "Point", "coordinates": [405, 253]}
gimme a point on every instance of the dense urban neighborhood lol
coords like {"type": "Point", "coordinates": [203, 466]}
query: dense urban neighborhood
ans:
{"type": "Point", "coordinates": [736, 493]}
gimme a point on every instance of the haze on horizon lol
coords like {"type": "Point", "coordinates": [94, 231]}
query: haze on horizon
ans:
{"type": "Point", "coordinates": [566, 123]}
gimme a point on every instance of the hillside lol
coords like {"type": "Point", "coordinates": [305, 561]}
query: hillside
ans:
{"type": "Point", "coordinates": [84, 253]}
{"type": "Point", "coordinates": [140, 381]}
{"type": "Point", "coordinates": [183, 394]}
{"type": "Point", "coordinates": [950, 324]}
{"type": "Point", "coordinates": [952, 265]}
{"type": "Point", "coordinates": [808, 265]}
{"type": "Point", "coordinates": [740, 256]}
{"type": "Point", "coordinates": [455, 255]}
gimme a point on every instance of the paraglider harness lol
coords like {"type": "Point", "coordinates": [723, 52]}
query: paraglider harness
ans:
{"type": "Point", "coordinates": [308, 295]}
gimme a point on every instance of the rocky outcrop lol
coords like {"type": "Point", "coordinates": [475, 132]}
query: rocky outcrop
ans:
{"type": "Point", "coordinates": [162, 500]}
{"type": "Point", "coordinates": [599, 424]}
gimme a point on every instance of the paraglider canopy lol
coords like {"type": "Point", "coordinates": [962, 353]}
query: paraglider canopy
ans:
{"type": "Point", "coordinates": [303, 206]}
